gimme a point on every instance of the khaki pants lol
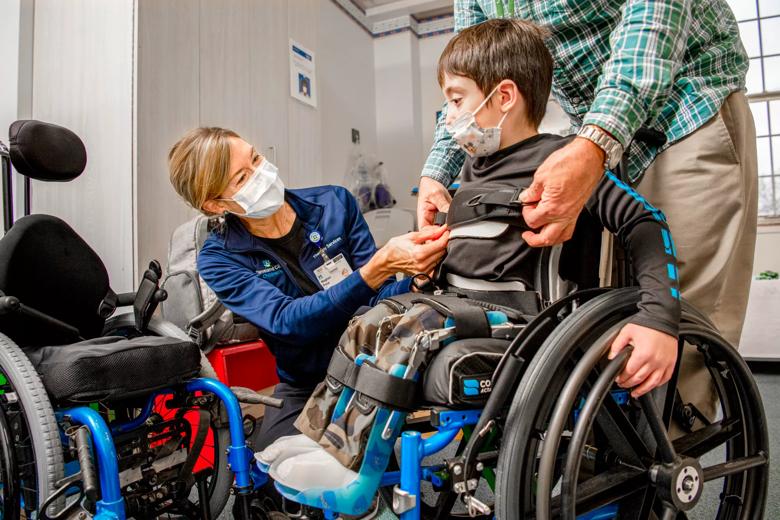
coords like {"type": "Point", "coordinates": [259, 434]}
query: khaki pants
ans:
{"type": "Point", "coordinates": [707, 186]}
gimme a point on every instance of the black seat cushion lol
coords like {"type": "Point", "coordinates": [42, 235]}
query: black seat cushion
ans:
{"type": "Point", "coordinates": [461, 373]}
{"type": "Point", "coordinates": [49, 267]}
{"type": "Point", "coordinates": [113, 368]}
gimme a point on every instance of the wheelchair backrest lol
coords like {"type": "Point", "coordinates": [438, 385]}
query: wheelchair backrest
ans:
{"type": "Point", "coordinates": [49, 267]}
{"type": "Point", "coordinates": [44, 263]}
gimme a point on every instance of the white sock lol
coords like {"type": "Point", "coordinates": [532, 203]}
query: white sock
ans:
{"type": "Point", "coordinates": [286, 447]}
{"type": "Point", "coordinates": [313, 469]}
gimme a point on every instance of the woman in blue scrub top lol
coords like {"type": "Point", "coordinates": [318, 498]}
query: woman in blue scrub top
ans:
{"type": "Point", "coordinates": [296, 263]}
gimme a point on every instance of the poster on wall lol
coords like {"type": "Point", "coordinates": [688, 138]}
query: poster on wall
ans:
{"type": "Point", "coordinates": [303, 82]}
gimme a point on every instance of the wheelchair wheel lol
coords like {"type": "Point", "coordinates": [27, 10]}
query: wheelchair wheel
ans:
{"type": "Point", "coordinates": [560, 458]}
{"type": "Point", "coordinates": [213, 453]}
{"type": "Point", "coordinates": [32, 464]}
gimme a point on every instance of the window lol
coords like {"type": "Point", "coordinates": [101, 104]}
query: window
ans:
{"type": "Point", "coordinates": [759, 26]}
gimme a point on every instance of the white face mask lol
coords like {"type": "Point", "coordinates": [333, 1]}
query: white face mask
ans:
{"type": "Point", "coordinates": [262, 194]}
{"type": "Point", "coordinates": [473, 139]}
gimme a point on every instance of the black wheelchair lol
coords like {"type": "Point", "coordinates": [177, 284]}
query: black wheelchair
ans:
{"type": "Point", "coordinates": [524, 420]}
{"type": "Point", "coordinates": [101, 415]}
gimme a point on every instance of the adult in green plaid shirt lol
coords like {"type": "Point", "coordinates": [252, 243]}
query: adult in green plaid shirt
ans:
{"type": "Point", "coordinates": [674, 69]}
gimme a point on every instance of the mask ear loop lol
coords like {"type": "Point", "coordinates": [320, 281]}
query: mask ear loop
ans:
{"type": "Point", "coordinates": [501, 122]}
{"type": "Point", "coordinates": [487, 98]}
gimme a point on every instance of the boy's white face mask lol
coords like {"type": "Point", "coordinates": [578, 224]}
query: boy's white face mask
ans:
{"type": "Point", "coordinates": [473, 139]}
{"type": "Point", "coordinates": [262, 194]}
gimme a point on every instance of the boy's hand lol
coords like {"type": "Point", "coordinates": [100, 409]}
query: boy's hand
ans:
{"type": "Point", "coordinates": [651, 363]}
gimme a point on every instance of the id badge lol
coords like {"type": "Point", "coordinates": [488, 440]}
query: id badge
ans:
{"type": "Point", "coordinates": [333, 271]}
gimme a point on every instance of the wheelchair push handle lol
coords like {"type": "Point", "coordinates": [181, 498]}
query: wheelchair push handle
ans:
{"type": "Point", "coordinates": [249, 396]}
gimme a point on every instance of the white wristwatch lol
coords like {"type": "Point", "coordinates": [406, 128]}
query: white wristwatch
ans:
{"type": "Point", "coordinates": [611, 146]}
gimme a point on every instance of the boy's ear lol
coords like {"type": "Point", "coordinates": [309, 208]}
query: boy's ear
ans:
{"type": "Point", "coordinates": [509, 95]}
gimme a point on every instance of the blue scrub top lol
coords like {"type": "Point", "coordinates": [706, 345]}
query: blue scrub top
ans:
{"type": "Point", "coordinates": [255, 283]}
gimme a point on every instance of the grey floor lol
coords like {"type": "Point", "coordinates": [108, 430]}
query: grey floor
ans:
{"type": "Point", "coordinates": [769, 386]}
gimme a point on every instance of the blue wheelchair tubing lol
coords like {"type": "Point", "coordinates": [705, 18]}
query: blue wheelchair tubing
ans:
{"type": "Point", "coordinates": [111, 504]}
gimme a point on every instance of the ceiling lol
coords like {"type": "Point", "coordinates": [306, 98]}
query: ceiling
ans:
{"type": "Point", "coordinates": [378, 10]}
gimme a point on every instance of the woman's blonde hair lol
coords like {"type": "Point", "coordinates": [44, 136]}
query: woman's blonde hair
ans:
{"type": "Point", "coordinates": [199, 164]}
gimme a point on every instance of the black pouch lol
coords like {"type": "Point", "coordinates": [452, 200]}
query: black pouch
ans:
{"type": "Point", "coordinates": [461, 374]}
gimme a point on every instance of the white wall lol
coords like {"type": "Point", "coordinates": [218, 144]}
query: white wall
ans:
{"type": "Point", "coordinates": [83, 79]}
{"type": "Point", "coordinates": [767, 249]}
{"type": "Point", "coordinates": [430, 92]}
{"type": "Point", "coordinates": [347, 89]}
{"type": "Point", "coordinates": [9, 50]}
{"type": "Point", "coordinates": [227, 64]}
{"type": "Point", "coordinates": [16, 85]}
{"type": "Point", "coordinates": [399, 139]}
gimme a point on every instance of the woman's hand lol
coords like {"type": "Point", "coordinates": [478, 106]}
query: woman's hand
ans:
{"type": "Point", "coordinates": [412, 253]}
{"type": "Point", "coordinates": [651, 363]}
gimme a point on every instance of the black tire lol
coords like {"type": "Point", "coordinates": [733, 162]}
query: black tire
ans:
{"type": "Point", "coordinates": [36, 434]}
{"type": "Point", "coordinates": [741, 431]}
{"type": "Point", "coordinates": [219, 484]}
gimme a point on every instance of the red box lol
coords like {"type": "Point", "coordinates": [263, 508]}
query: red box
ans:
{"type": "Point", "coordinates": [250, 365]}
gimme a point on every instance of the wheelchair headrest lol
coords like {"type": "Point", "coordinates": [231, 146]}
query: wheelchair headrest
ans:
{"type": "Point", "coordinates": [46, 152]}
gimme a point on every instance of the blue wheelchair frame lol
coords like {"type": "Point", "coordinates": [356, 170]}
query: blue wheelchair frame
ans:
{"type": "Point", "coordinates": [111, 504]}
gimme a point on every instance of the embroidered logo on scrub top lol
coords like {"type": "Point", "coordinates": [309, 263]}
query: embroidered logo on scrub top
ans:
{"type": "Point", "coordinates": [269, 269]}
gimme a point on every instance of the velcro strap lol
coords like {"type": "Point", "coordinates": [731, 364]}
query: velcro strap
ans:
{"type": "Point", "coordinates": [471, 321]}
{"type": "Point", "coordinates": [476, 205]}
{"type": "Point", "coordinates": [440, 219]}
{"type": "Point", "coordinates": [342, 368]}
{"type": "Point", "coordinates": [391, 391]}
{"type": "Point", "coordinates": [401, 302]}
{"type": "Point", "coordinates": [506, 198]}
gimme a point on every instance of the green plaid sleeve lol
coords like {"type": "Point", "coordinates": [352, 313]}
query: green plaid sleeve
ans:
{"type": "Point", "coordinates": [467, 13]}
{"type": "Point", "coordinates": [647, 50]}
{"type": "Point", "coordinates": [445, 158]}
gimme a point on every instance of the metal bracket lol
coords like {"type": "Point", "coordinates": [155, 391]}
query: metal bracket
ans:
{"type": "Point", "coordinates": [403, 501]}
{"type": "Point", "coordinates": [476, 506]}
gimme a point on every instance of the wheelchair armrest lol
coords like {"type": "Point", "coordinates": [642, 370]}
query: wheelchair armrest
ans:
{"type": "Point", "coordinates": [12, 305]}
{"type": "Point", "coordinates": [125, 299]}
{"type": "Point", "coordinates": [206, 318]}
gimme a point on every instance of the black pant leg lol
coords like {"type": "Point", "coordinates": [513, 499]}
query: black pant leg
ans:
{"type": "Point", "coordinates": [278, 422]}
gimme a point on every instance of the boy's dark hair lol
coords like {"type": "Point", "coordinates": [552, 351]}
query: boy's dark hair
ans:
{"type": "Point", "coordinates": [500, 49]}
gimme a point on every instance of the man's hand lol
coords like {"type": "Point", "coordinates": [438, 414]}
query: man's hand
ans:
{"type": "Point", "coordinates": [560, 188]}
{"type": "Point", "coordinates": [651, 363]}
{"type": "Point", "coordinates": [431, 197]}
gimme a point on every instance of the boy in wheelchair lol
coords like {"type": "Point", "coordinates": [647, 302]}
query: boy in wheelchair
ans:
{"type": "Point", "coordinates": [496, 77]}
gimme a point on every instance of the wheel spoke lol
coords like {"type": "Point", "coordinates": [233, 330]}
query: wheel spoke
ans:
{"type": "Point", "coordinates": [669, 512]}
{"type": "Point", "coordinates": [663, 444]}
{"type": "Point", "coordinates": [605, 488]}
{"type": "Point", "coordinates": [623, 437]}
{"type": "Point", "coordinates": [732, 467]}
{"type": "Point", "coordinates": [708, 438]}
